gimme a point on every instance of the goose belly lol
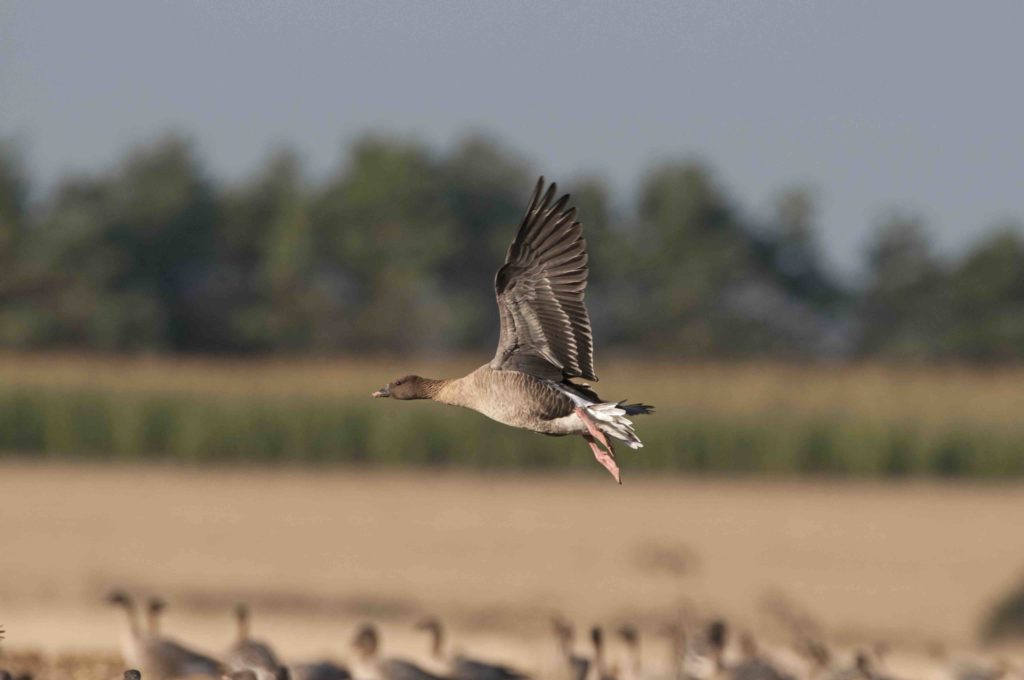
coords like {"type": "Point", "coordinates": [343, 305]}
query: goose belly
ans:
{"type": "Point", "coordinates": [522, 401]}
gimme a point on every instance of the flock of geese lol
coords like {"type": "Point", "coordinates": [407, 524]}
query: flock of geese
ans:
{"type": "Point", "coordinates": [148, 650]}
{"type": "Point", "coordinates": [699, 651]}
{"type": "Point", "coordinates": [702, 651]}
{"type": "Point", "coordinates": [152, 655]}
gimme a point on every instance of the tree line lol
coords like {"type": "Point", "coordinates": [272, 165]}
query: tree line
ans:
{"type": "Point", "coordinates": [396, 250]}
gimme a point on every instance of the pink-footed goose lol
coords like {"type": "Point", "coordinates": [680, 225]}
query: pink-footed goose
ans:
{"type": "Point", "coordinates": [369, 665]}
{"type": "Point", "coordinates": [154, 608]}
{"type": "Point", "coordinates": [249, 654]}
{"type": "Point", "coordinates": [576, 667]}
{"type": "Point", "coordinates": [545, 342]}
{"type": "Point", "coordinates": [159, 657]}
{"type": "Point", "coordinates": [459, 666]}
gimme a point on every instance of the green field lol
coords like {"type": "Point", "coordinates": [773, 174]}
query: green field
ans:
{"type": "Point", "coordinates": [749, 418]}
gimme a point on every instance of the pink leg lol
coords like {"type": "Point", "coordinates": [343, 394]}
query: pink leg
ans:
{"type": "Point", "coordinates": [605, 458]}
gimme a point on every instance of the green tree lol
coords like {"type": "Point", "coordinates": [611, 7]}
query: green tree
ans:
{"type": "Point", "coordinates": [987, 289]}
{"type": "Point", "coordinates": [270, 270]}
{"type": "Point", "coordinates": [17, 318]}
{"type": "Point", "coordinates": [485, 189]}
{"type": "Point", "coordinates": [904, 307]}
{"type": "Point", "coordinates": [385, 229]}
{"type": "Point", "coordinates": [692, 247]}
{"type": "Point", "coordinates": [794, 253]}
{"type": "Point", "coordinates": [128, 256]}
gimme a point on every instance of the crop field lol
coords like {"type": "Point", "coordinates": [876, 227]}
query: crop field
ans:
{"type": "Point", "coordinates": [870, 507]}
{"type": "Point", "coordinates": [316, 552]}
{"type": "Point", "coordinates": [776, 419]}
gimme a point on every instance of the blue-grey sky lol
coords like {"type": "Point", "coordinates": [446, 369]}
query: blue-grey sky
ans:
{"type": "Point", "coordinates": [877, 105]}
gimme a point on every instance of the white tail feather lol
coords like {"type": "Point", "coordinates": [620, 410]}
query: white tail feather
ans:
{"type": "Point", "coordinates": [609, 415]}
{"type": "Point", "coordinates": [611, 418]}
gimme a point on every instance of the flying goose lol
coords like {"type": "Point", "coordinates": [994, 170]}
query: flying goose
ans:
{"type": "Point", "coordinates": [545, 342]}
{"type": "Point", "coordinates": [160, 657]}
{"type": "Point", "coordinates": [369, 665]}
{"type": "Point", "coordinates": [247, 653]}
{"type": "Point", "coordinates": [460, 667]}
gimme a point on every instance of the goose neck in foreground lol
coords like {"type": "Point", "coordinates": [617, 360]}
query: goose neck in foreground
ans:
{"type": "Point", "coordinates": [451, 391]}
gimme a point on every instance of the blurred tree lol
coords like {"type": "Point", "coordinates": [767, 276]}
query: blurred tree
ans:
{"type": "Point", "coordinates": [987, 289]}
{"type": "Point", "coordinates": [128, 258]}
{"type": "Point", "coordinates": [397, 251]}
{"type": "Point", "coordinates": [691, 249]}
{"type": "Point", "coordinates": [385, 230]}
{"type": "Point", "coordinates": [616, 269]}
{"type": "Point", "coordinates": [161, 224]}
{"type": "Point", "coordinates": [270, 272]}
{"type": "Point", "coordinates": [795, 254]}
{"type": "Point", "coordinates": [14, 189]}
{"type": "Point", "coordinates": [903, 309]}
{"type": "Point", "coordinates": [485, 186]}
{"type": "Point", "coordinates": [16, 315]}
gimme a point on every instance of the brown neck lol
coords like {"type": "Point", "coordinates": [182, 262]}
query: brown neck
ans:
{"type": "Point", "coordinates": [133, 618]}
{"type": "Point", "coordinates": [437, 642]}
{"type": "Point", "coordinates": [433, 389]}
{"type": "Point", "coordinates": [153, 617]}
{"type": "Point", "coordinates": [243, 628]}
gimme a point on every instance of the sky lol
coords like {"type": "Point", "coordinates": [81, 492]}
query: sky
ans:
{"type": "Point", "coordinates": [875, 106]}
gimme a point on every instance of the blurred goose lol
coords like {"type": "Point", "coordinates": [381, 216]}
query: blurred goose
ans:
{"type": "Point", "coordinates": [599, 668]}
{"type": "Point", "coordinates": [160, 657]}
{"type": "Point", "coordinates": [369, 665]}
{"type": "Point", "coordinates": [133, 639]}
{"type": "Point", "coordinates": [545, 341]}
{"type": "Point", "coordinates": [460, 667]}
{"type": "Point", "coordinates": [704, 657]}
{"type": "Point", "coordinates": [577, 667]}
{"type": "Point", "coordinates": [633, 669]}
{"type": "Point", "coordinates": [154, 607]}
{"type": "Point", "coordinates": [753, 665]}
{"type": "Point", "coordinates": [247, 653]}
{"type": "Point", "coordinates": [282, 673]}
{"type": "Point", "coordinates": [320, 670]}
{"type": "Point", "coordinates": [675, 635]}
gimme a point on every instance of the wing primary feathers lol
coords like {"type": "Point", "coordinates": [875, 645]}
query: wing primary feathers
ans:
{"type": "Point", "coordinates": [545, 328]}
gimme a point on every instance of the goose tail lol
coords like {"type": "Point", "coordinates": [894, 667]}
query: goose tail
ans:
{"type": "Point", "coordinates": [611, 418]}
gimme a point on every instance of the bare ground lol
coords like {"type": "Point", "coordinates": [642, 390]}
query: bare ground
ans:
{"type": "Point", "coordinates": [316, 552]}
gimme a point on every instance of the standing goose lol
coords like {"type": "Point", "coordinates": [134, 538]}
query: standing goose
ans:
{"type": "Point", "coordinates": [370, 666]}
{"type": "Point", "coordinates": [133, 638]}
{"type": "Point", "coordinates": [459, 666]}
{"type": "Point", "coordinates": [159, 657]}
{"type": "Point", "coordinates": [634, 663]}
{"type": "Point", "coordinates": [545, 341]}
{"type": "Point", "coordinates": [599, 669]}
{"type": "Point", "coordinates": [154, 608]}
{"type": "Point", "coordinates": [576, 667]}
{"type": "Point", "coordinates": [249, 654]}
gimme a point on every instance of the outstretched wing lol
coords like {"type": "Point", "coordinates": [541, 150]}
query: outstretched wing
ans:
{"type": "Point", "coordinates": [545, 329]}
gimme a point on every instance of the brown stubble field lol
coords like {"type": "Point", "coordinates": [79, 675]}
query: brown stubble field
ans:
{"type": "Point", "coordinates": [317, 552]}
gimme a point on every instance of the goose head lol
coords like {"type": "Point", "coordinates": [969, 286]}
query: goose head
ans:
{"type": "Point", "coordinates": [406, 387]}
